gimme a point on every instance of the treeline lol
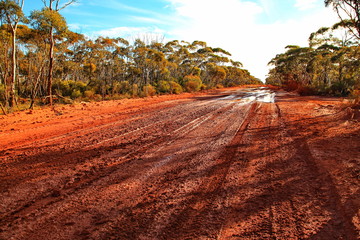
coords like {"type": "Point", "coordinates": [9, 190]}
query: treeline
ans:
{"type": "Point", "coordinates": [330, 65]}
{"type": "Point", "coordinates": [53, 62]}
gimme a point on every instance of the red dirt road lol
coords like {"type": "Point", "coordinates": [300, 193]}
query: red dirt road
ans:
{"type": "Point", "coordinates": [182, 167]}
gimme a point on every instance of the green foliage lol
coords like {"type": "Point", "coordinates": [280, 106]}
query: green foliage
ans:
{"type": "Point", "coordinates": [175, 87]}
{"type": "Point", "coordinates": [148, 91]}
{"type": "Point", "coordinates": [328, 66]}
{"type": "Point", "coordinates": [11, 12]}
{"type": "Point", "coordinates": [343, 88]}
{"type": "Point", "coordinates": [89, 68]}
{"type": "Point", "coordinates": [2, 93]}
{"type": "Point", "coordinates": [69, 88]}
{"type": "Point", "coordinates": [89, 94]}
{"type": "Point", "coordinates": [192, 83]}
{"type": "Point", "coordinates": [47, 19]}
{"type": "Point", "coordinates": [171, 87]}
{"type": "Point", "coordinates": [123, 87]}
{"type": "Point", "coordinates": [164, 87]}
{"type": "Point", "coordinates": [76, 94]}
{"type": "Point", "coordinates": [135, 90]}
{"type": "Point", "coordinates": [110, 68]}
{"type": "Point", "coordinates": [350, 9]}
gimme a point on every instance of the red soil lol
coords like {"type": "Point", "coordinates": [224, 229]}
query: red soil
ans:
{"type": "Point", "coordinates": [182, 167]}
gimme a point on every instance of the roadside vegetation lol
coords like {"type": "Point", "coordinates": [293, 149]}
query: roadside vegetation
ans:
{"type": "Point", "coordinates": [330, 64]}
{"type": "Point", "coordinates": [42, 61]}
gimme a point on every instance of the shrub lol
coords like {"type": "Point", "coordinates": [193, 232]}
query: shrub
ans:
{"type": "Point", "coordinates": [164, 87]}
{"type": "Point", "coordinates": [175, 87]}
{"type": "Point", "coordinates": [62, 88]}
{"type": "Point", "coordinates": [192, 83]}
{"type": "Point", "coordinates": [342, 88]}
{"type": "Point", "coordinates": [306, 91]}
{"type": "Point", "coordinates": [97, 97]}
{"type": "Point", "coordinates": [89, 94]}
{"type": "Point", "coordinates": [76, 94]}
{"type": "Point", "coordinates": [2, 92]}
{"type": "Point", "coordinates": [148, 90]}
{"type": "Point", "coordinates": [66, 88]}
{"type": "Point", "coordinates": [356, 95]}
{"type": "Point", "coordinates": [81, 86]}
{"type": "Point", "coordinates": [291, 85]}
{"type": "Point", "coordinates": [121, 87]}
{"type": "Point", "coordinates": [135, 90]}
{"type": "Point", "coordinates": [204, 87]}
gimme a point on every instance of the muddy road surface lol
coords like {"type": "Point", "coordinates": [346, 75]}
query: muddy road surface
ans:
{"type": "Point", "coordinates": [235, 164]}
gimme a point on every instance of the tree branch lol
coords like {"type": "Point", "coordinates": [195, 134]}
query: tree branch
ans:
{"type": "Point", "coordinates": [65, 5]}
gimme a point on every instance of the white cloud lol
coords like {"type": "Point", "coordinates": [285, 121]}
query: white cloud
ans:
{"type": "Point", "coordinates": [131, 33]}
{"type": "Point", "coordinates": [234, 25]}
{"type": "Point", "coordinates": [120, 31]}
{"type": "Point", "coordinates": [75, 26]}
{"type": "Point", "coordinates": [305, 4]}
{"type": "Point", "coordinates": [267, 5]}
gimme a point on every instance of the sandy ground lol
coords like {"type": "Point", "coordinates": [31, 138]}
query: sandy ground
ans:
{"type": "Point", "coordinates": [207, 166]}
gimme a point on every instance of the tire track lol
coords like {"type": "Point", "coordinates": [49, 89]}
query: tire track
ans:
{"type": "Point", "coordinates": [105, 171]}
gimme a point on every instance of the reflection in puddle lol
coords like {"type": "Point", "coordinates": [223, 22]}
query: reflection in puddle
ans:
{"type": "Point", "coordinates": [261, 94]}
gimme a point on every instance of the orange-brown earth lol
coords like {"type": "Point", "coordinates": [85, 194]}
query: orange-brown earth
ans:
{"type": "Point", "coordinates": [187, 166]}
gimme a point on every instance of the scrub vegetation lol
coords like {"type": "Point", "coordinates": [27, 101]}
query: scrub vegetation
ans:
{"type": "Point", "coordinates": [51, 62]}
{"type": "Point", "coordinates": [330, 64]}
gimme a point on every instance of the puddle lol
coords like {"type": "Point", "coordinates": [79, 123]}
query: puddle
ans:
{"type": "Point", "coordinates": [261, 94]}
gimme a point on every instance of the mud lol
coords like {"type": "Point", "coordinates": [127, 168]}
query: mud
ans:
{"type": "Point", "coordinates": [234, 164]}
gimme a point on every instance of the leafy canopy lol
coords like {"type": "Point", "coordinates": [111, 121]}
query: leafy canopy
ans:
{"type": "Point", "coordinates": [47, 20]}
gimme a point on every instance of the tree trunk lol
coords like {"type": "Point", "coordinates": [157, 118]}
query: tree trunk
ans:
{"type": "Point", "coordinates": [51, 67]}
{"type": "Point", "coordinates": [35, 88]}
{"type": "Point", "coordinates": [13, 69]}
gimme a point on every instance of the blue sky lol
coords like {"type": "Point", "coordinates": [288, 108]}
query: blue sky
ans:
{"type": "Point", "coordinates": [254, 31]}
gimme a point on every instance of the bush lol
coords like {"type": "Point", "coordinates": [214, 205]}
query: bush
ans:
{"type": "Point", "coordinates": [148, 90]}
{"type": "Point", "coordinates": [121, 87]}
{"type": "Point", "coordinates": [218, 86]}
{"type": "Point", "coordinates": [76, 94]}
{"type": "Point", "coordinates": [356, 95]}
{"type": "Point", "coordinates": [306, 91]}
{"type": "Point", "coordinates": [291, 85]}
{"type": "Point", "coordinates": [175, 87]}
{"type": "Point", "coordinates": [97, 97]}
{"type": "Point", "coordinates": [192, 83]}
{"type": "Point", "coordinates": [164, 87]}
{"type": "Point", "coordinates": [342, 88]}
{"type": "Point", "coordinates": [67, 88]}
{"type": "Point", "coordinates": [2, 92]}
{"type": "Point", "coordinates": [89, 94]}
{"type": "Point", "coordinates": [135, 90]}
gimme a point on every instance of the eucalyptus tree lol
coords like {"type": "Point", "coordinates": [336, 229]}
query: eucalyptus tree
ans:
{"type": "Point", "coordinates": [5, 45]}
{"type": "Point", "coordinates": [336, 49]}
{"type": "Point", "coordinates": [33, 64]}
{"type": "Point", "coordinates": [11, 13]}
{"type": "Point", "coordinates": [292, 65]}
{"type": "Point", "coordinates": [52, 23]}
{"type": "Point", "coordinates": [351, 8]}
{"type": "Point", "coordinates": [69, 58]}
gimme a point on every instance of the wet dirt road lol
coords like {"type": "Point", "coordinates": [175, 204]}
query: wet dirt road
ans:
{"type": "Point", "coordinates": [240, 164]}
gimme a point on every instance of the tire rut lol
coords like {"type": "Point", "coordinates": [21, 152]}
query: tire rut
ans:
{"type": "Point", "coordinates": [41, 202]}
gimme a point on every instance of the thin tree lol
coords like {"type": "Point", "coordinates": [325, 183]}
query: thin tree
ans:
{"type": "Point", "coordinates": [50, 20]}
{"type": "Point", "coordinates": [351, 8]}
{"type": "Point", "coordinates": [11, 13]}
